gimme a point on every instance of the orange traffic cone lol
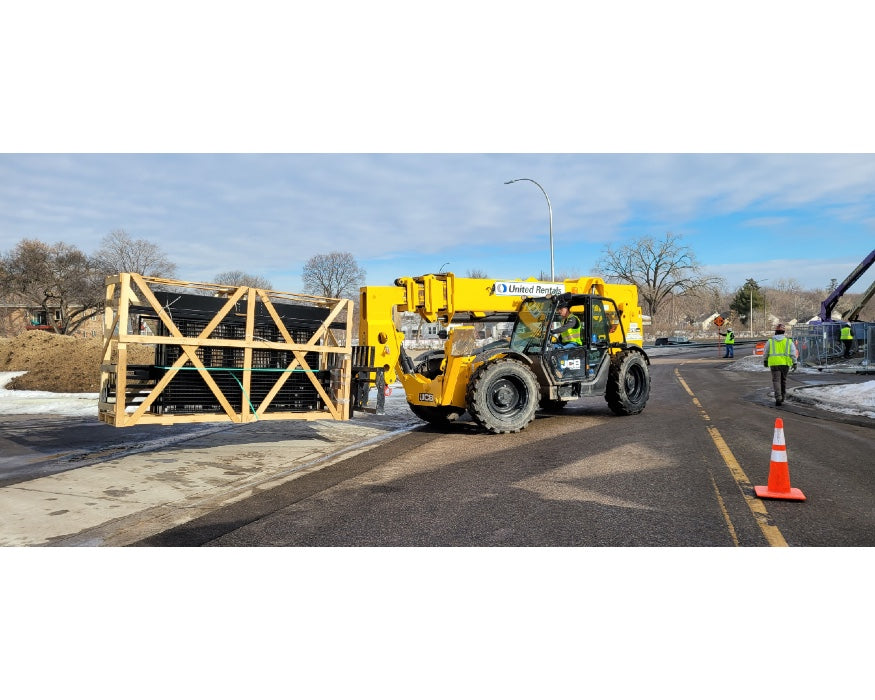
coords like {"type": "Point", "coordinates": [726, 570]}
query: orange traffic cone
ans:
{"type": "Point", "coordinates": [779, 473]}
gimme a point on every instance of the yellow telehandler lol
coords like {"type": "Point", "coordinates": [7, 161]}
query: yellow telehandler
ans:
{"type": "Point", "coordinates": [501, 384]}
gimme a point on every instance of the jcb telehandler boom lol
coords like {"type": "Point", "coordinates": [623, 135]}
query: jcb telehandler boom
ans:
{"type": "Point", "coordinates": [501, 384]}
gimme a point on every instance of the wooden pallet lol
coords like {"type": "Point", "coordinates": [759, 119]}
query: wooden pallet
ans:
{"type": "Point", "coordinates": [127, 291]}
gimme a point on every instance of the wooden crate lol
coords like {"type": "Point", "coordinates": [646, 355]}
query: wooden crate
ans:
{"type": "Point", "coordinates": [132, 394]}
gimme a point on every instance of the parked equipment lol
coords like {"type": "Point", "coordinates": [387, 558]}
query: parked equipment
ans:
{"type": "Point", "coordinates": [826, 308]}
{"type": "Point", "coordinates": [244, 354]}
{"type": "Point", "coordinates": [503, 383]}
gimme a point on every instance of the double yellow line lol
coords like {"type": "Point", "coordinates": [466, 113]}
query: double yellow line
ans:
{"type": "Point", "coordinates": [757, 507]}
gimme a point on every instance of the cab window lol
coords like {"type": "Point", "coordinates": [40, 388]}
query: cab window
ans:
{"type": "Point", "coordinates": [605, 321]}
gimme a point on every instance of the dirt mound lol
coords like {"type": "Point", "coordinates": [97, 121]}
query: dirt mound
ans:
{"type": "Point", "coordinates": [59, 363]}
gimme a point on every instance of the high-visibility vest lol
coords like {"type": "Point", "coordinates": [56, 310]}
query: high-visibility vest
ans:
{"type": "Point", "coordinates": [846, 333]}
{"type": "Point", "coordinates": [730, 338]}
{"type": "Point", "coordinates": [779, 352]}
{"type": "Point", "coordinates": [571, 335]}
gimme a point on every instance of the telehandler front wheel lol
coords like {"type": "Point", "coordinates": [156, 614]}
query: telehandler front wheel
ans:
{"type": "Point", "coordinates": [503, 396]}
{"type": "Point", "coordinates": [628, 383]}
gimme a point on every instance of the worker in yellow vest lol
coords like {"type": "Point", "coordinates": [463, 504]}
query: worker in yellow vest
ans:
{"type": "Point", "coordinates": [728, 342]}
{"type": "Point", "coordinates": [847, 339]}
{"type": "Point", "coordinates": [779, 355]}
{"type": "Point", "coordinates": [565, 336]}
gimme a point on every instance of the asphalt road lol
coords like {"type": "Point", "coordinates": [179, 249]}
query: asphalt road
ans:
{"type": "Point", "coordinates": [681, 474]}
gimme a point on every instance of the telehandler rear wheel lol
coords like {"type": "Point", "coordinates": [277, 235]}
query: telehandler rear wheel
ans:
{"type": "Point", "coordinates": [628, 383]}
{"type": "Point", "coordinates": [429, 363]}
{"type": "Point", "coordinates": [503, 396]}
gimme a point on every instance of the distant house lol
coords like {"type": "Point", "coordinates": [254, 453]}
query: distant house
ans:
{"type": "Point", "coordinates": [415, 328]}
{"type": "Point", "coordinates": [18, 317]}
{"type": "Point", "coordinates": [706, 323]}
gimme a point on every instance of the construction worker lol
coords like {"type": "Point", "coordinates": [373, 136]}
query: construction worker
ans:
{"type": "Point", "coordinates": [728, 342]}
{"type": "Point", "coordinates": [847, 339]}
{"type": "Point", "coordinates": [568, 334]}
{"type": "Point", "coordinates": [779, 355]}
{"type": "Point", "coordinates": [565, 336]}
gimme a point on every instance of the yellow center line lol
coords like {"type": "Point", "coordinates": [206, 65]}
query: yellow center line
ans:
{"type": "Point", "coordinates": [757, 507]}
{"type": "Point", "coordinates": [725, 512]}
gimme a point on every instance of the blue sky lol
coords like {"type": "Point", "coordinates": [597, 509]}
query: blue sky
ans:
{"type": "Point", "coordinates": [770, 217]}
{"type": "Point", "coordinates": [389, 135]}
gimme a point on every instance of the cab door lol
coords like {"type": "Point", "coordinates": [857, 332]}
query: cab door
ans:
{"type": "Point", "coordinates": [603, 328]}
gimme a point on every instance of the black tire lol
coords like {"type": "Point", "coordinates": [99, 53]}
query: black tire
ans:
{"type": "Point", "coordinates": [429, 363]}
{"type": "Point", "coordinates": [628, 383]}
{"type": "Point", "coordinates": [440, 416]}
{"type": "Point", "coordinates": [503, 396]}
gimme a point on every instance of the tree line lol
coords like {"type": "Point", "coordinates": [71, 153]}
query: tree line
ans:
{"type": "Point", "coordinates": [676, 294]}
{"type": "Point", "coordinates": [673, 290]}
{"type": "Point", "coordinates": [68, 285]}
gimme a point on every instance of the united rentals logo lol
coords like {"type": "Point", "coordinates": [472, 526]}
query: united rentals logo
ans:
{"type": "Point", "coordinates": [526, 289]}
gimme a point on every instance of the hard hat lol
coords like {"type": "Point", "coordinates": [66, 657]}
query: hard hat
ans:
{"type": "Point", "coordinates": [779, 327]}
{"type": "Point", "coordinates": [564, 301]}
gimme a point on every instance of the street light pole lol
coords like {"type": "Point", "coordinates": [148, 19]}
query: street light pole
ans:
{"type": "Point", "coordinates": [550, 211]}
{"type": "Point", "coordinates": [751, 305]}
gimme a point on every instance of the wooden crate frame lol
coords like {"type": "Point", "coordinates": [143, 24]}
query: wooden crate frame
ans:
{"type": "Point", "coordinates": [128, 288]}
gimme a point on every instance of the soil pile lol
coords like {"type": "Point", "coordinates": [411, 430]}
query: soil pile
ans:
{"type": "Point", "coordinates": [60, 363]}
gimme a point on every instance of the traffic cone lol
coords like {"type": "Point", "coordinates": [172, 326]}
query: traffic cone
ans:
{"type": "Point", "coordinates": [779, 473]}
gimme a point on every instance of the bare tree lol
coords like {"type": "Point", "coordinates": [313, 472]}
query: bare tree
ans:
{"type": "Point", "coordinates": [61, 280]}
{"type": "Point", "coordinates": [118, 252]}
{"type": "Point", "coordinates": [787, 300]}
{"type": "Point", "coordinates": [659, 268]}
{"type": "Point", "coordinates": [336, 275]}
{"type": "Point", "coordinates": [476, 274]}
{"type": "Point", "coordinates": [238, 278]}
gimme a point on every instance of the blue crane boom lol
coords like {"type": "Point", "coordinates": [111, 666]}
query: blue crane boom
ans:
{"type": "Point", "coordinates": [828, 304]}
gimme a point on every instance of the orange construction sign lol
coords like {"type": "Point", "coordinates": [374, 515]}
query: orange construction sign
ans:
{"type": "Point", "coordinates": [719, 321]}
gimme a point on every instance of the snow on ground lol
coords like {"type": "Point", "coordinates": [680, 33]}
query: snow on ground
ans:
{"type": "Point", "coordinates": [85, 405]}
{"type": "Point", "coordinates": [854, 399]}
{"type": "Point", "coordinates": [13, 402]}
{"type": "Point", "coordinates": [851, 398]}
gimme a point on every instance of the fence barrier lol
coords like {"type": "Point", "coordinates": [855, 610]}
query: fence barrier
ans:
{"type": "Point", "coordinates": [820, 344]}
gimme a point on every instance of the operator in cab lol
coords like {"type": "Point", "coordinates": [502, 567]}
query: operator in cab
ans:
{"type": "Point", "coordinates": [568, 334]}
